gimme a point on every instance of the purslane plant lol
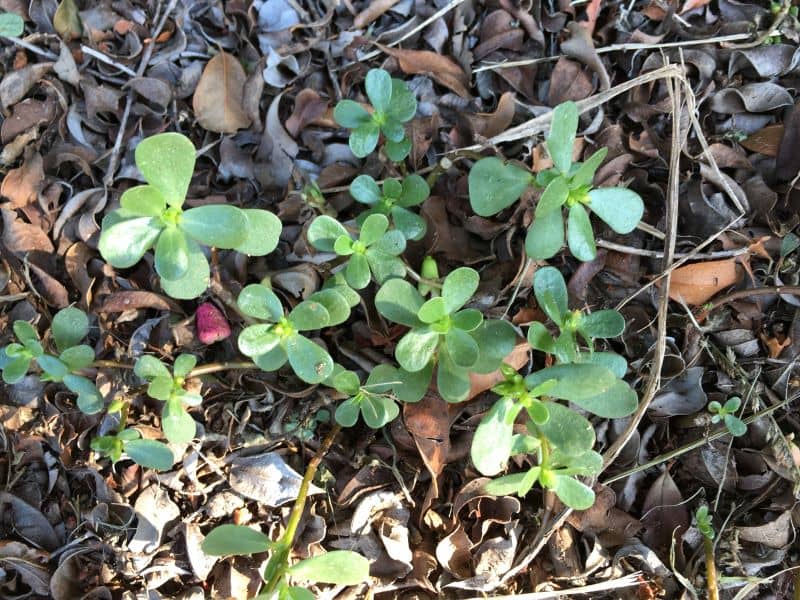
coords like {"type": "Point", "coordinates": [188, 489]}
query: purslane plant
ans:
{"type": "Point", "coordinates": [393, 200]}
{"type": "Point", "coordinates": [393, 104]}
{"type": "Point", "coordinates": [374, 401]}
{"type": "Point", "coordinates": [177, 424]}
{"type": "Point", "coordinates": [727, 414]}
{"type": "Point", "coordinates": [152, 216]}
{"type": "Point", "coordinates": [68, 328]}
{"type": "Point", "coordinates": [495, 185]}
{"type": "Point", "coordinates": [375, 254]}
{"type": "Point", "coordinates": [150, 454]}
{"type": "Point", "coordinates": [443, 334]}
{"type": "Point", "coordinates": [279, 338]}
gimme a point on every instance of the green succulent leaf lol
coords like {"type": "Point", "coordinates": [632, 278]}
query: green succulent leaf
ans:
{"type": "Point", "coordinates": [397, 151]}
{"type": "Point", "coordinates": [123, 243]}
{"type": "Point", "coordinates": [263, 232]}
{"type": "Point", "coordinates": [257, 300]}
{"type": "Point", "coordinates": [554, 197]}
{"type": "Point", "coordinates": [575, 382]}
{"type": "Point", "coordinates": [217, 225]}
{"type": "Point", "coordinates": [433, 310]}
{"type": "Point", "coordinates": [324, 231]}
{"type": "Point", "coordinates": [732, 404]}
{"type": "Point", "coordinates": [551, 293]}
{"type": "Point", "coordinates": [404, 104]}
{"type": "Point", "coordinates": [568, 431]}
{"type": "Point", "coordinates": [357, 272]}
{"type": "Point", "coordinates": [468, 319]}
{"type": "Point", "coordinates": [414, 192]}
{"type": "Point", "coordinates": [150, 454]}
{"type": "Point", "coordinates": [161, 388]}
{"type": "Point", "coordinates": [16, 369]}
{"type": "Point", "coordinates": [364, 139]}
{"type": "Point", "coordinates": [25, 333]}
{"type": "Point", "coordinates": [393, 130]}
{"type": "Point", "coordinates": [78, 357]}
{"type": "Point", "coordinates": [496, 340]}
{"type": "Point", "coordinates": [309, 315]}
{"type": "Point", "coordinates": [338, 567]}
{"type": "Point", "coordinates": [310, 361]}
{"type": "Point", "coordinates": [195, 281]}
{"type": "Point", "coordinates": [585, 173]}
{"type": "Point", "coordinates": [235, 540]}
{"type": "Point", "coordinates": [492, 444]}
{"type": "Point", "coordinates": [616, 402]}
{"type": "Point", "coordinates": [365, 190]}
{"type": "Point", "coordinates": [518, 483]}
{"type": "Point", "coordinates": [412, 226]}
{"type": "Point", "coordinates": [735, 425]}
{"type": "Point", "coordinates": [573, 493]}
{"type": "Point", "coordinates": [90, 401]}
{"type": "Point", "coordinates": [149, 367]}
{"type": "Point", "coordinates": [272, 360]}
{"type": "Point", "coordinates": [172, 253]}
{"type": "Point", "coordinates": [611, 361]}
{"type": "Point", "coordinates": [415, 349]}
{"type": "Point", "coordinates": [53, 367]}
{"type": "Point", "coordinates": [461, 347]}
{"type": "Point", "coordinates": [540, 339]}
{"type": "Point", "coordinates": [378, 84]}
{"type": "Point", "coordinates": [258, 339]}
{"type": "Point", "coordinates": [620, 208]}
{"type": "Point", "coordinates": [11, 25]}
{"type": "Point", "coordinates": [373, 228]}
{"type": "Point", "coordinates": [545, 236]}
{"type": "Point", "coordinates": [458, 287]}
{"type": "Point", "coordinates": [451, 380]}
{"type": "Point", "coordinates": [399, 301]}
{"type": "Point", "coordinates": [408, 386]}
{"type": "Point", "coordinates": [167, 162]}
{"type": "Point", "coordinates": [602, 324]}
{"type": "Point", "coordinates": [347, 413]}
{"type": "Point", "coordinates": [495, 185]}
{"type": "Point", "coordinates": [350, 114]}
{"type": "Point", "coordinates": [143, 201]}
{"type": "Point", "coordinates": [378, 411]}
{"type": "Point", "coordinates": [69, 327]}
{"type": "Point", "coordinates": [184, 364]}
{"type": "Point", "coordinates": [335, 303]}
{"type": "Point", "coordinates": [391, 243]}
{"type": "Point", "coordinates": [580, 237]}
{"type": "Point", "coordinates": [177, 424]}
{"type": "Point", "coordinates": [561, 140]}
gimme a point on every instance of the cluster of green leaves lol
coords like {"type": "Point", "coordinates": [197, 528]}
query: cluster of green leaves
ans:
{"type": "Point", "coordinates": [339, 567]}
{"type": "Point", "coordinates": [374, 255]}
{"type": "Point", "coordinates": [456, 340]}
{"type": "Point", "coordinates": [392, 105]}
{"type": "Point", "coordinates": [727, 414]}
{"type": "Point", "coordinates": [561, 439]}
{"type": "Point", "coordinates": [11, 25]}
{"type": "Point", "coordinates": [69, 327]}
{"type": "Point", "coordinates": [393, 201]}
{"type": "Point", "coordinates": [279, 338]}
{"type": "Point", "coordinates": [176, 423]}
{"type": "Point", "coordinates": [150, 454]}
{"type": "Point", "coordinates": [374, 401]}
{"type": "Point", "coordinates": [495, 185]}
{"type": "Point", "coordinates": [152, 216]}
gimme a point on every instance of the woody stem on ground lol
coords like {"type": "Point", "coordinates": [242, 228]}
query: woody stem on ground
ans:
{"type": "Point", "coordinates": [711, 569]}
{"type": "Point", "coordinates": [287, 539]}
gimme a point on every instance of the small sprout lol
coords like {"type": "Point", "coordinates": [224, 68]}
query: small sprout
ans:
{"type": "Point", "coordinates": [495, 185]}
{"type": "Point", "coordinates": [429, 271]}
{"type": "Point", "coordinates": [176, 423]}
{"type": "Point", "coordinates": [212, 326]}
{"type": "Point", "coordinates": [726, 414]}
{"type": "Point", "coordinates": [278, 339]}
{"type": "Point", "coordinates": [704, 524]}
{"type": "Point", "coordinates": [443, 333]}
{"type": "Point", "coordinates": [393, 201]}
{"type": "Point", "coordinates": [374, 255]}
{"type": "Point", "coordinates": [393, 104]}
{"type": "Point", "coordinates": [373, 401]}
{"type": "Point", "coordinates": [152, 216]}
{"type": "Point", "coordinates": [68, 328]}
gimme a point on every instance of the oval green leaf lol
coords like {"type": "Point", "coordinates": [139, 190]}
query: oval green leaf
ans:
{"type": "Point", "coordinates": [215, 225]}
{"type": "Point", "coordinates": [167, 161]}
{"type": "Point", "coordinates": [494, 185]}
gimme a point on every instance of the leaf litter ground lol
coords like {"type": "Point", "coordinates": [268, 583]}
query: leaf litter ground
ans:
{"type": "Point", "coordinates": [695, 104]}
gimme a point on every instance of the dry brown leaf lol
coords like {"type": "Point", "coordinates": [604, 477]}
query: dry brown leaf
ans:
{"type": "Point", "coordinates": [442, 68]}
{"type": "Point", "coordinates": [697, 283]}
{"type": "Point", "coordinates": [491, 124]}
{"type": "Point", "coordinates": [218, 99]}
{"type": "Point", "coordinates": [765, 141]}
{"type": "Point", "coordinates": [308, 107]}
{"type": "Point", "coordinates": [22, 185]}
{"type": "Point", "coordinates": [692, 4]}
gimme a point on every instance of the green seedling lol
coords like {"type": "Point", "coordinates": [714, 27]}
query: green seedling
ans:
{"type": "Point", "coordinates": [495, 185]}
{"type": "Point", "coordinates": [11, 25]}
{"type": "Point", "coordinates": [393, 200]}
{"type": "Point", "coordinates": [443, 334]}
{"type": "Point", "coordinates": [375, 254]}
{"type": "Point", "coordinates": [339, 567]}
{"type": "Point", "coordinates": [727, 414]}
{"type": "Point", "coordinates": [152, 216]}
{"type": "Point", "coordinates": [373, 401]}
{"type": "Point", "coordinates": [176, 423]}
{"type": "Point", "coordinates": [68, 328]}
{"type": "Point", "coordinates": [146, 453]}
{"type": "Point", "coordinates": [279, 337]}
{"type": "Point", "coordinates": [393, 104]}
{"type": "Point", "coordinates": [704, 524]}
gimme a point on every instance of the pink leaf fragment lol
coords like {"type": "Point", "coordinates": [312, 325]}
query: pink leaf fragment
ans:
{"type": "Point", "coordinates": [212, 326]}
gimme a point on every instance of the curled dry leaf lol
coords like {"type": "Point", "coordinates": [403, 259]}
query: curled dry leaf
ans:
{"type": "Point", "coordinates": [491, 124]}
{"type": "Point", "coordinates": [308, 107]}
{"type": "Point", "coordinates": [267, 479]}
{"type": "Point", "coordinates": [697, 283]}
{"type": "Point", "coordinates": [424, 62]}
{"type": "Point", "coordinates": [218, 99]}
{"type": "Point", "coordinates": [21, 186]}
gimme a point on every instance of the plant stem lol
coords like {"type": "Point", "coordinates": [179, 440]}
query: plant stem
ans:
{"type": "Point", "coordinates": [711, 570]}
{"type": "Point", "coordinates": [221, 366]}
{"type": "Point", "coordinates": [287, 539]}
{"type": "Point", "coordinates": [110, 364]}
{"type": "Point", "coordinates": [420, 279]}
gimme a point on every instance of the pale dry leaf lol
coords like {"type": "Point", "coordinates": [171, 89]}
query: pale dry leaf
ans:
{"type": "Point", "coordinates": [267, 479]}
{"type": "Point", "coordinates": [218, 99]}
{"type": "Point", "coordinates": [697, 283]}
